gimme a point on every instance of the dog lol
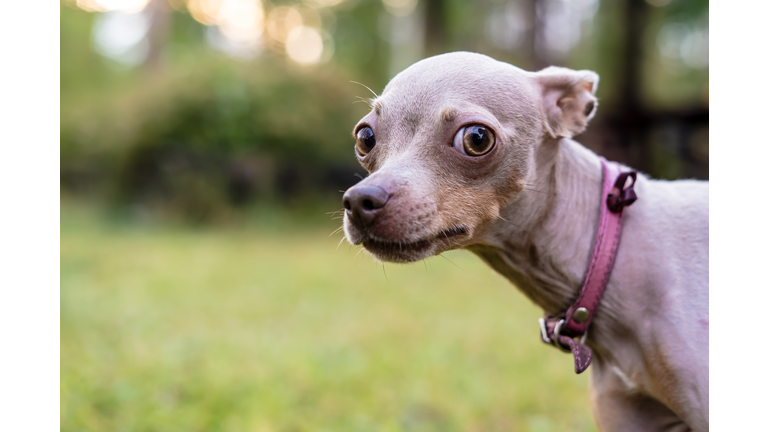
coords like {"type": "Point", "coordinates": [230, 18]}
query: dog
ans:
{"type": "Point", "coordinates": [464, 151]}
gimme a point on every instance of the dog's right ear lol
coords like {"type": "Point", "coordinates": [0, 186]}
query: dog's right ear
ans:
{"type": "Point", "coordinates": [569, 99]}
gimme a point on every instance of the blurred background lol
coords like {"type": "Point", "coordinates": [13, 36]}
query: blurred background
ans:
{"type": "Point", "coordinates": [203, 147]}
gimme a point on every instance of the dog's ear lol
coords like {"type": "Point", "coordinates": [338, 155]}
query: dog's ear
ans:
{"type": "Point", "coordinates": [569, 99]}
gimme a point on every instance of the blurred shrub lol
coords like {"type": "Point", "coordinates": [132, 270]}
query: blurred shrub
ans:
{"type": "Point", "coordinates": [198, 142]}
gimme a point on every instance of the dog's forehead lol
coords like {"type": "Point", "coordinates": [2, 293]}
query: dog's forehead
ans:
{"type": "Point", "coordinates": [426, 89]}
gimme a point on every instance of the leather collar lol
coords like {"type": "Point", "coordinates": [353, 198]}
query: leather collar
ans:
{"type": "Point", "coordinates": [563, 329]}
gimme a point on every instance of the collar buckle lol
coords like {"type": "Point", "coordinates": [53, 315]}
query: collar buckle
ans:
{"type": "Point", "coordinates": [555, 339]}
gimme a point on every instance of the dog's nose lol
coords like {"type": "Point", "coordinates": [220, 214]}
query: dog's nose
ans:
{"type": "Point", "coordinates": [364, 202]}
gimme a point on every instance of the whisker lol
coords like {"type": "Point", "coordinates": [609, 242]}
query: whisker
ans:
{"type": "Point", "coordinates": [535, 190]}
{"type": "Point", "coordinates": [556, 194]}
{"type": "Point", "coordinates": [367, 101]}
{"type": "Point", "coordinates": [369, 89]}
{"type": "Point", "coordinates": [336, 230]}
{"type": "Point", "coordinates": [342, 239]}
{"type": "Point", "coordinates": [359, 176]}
{"type": "Point", "coordinates": [443, 256]}
{"type": "Point", "coordinates": [527, 187]}
{"type": "Point", "coordinates": [473, 277]}
{"type": "Point", "coordinates": [518, 226]}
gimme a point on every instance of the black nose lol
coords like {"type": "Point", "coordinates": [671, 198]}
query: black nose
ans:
{"type": "Point", "coordinates": [364, 202]}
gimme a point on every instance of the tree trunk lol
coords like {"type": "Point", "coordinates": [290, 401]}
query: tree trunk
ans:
{"type": "Point", "coordinates": [159, 14]}
{"type": "Point", "coordinates": [434, 25]}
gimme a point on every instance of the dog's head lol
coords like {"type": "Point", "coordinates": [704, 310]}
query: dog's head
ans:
{"type": "Point", "coordinates": [449, 143]}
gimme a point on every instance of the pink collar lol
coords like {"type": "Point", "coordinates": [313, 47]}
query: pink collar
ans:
{"type": "Point", "coordinates": [561, 330]}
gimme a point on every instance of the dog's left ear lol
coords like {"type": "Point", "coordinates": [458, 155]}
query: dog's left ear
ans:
{"type": "Point", "coordinates": [569, 99]}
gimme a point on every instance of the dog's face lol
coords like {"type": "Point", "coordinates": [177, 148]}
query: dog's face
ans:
{"type": "Point", "coordinates": [447, 145]}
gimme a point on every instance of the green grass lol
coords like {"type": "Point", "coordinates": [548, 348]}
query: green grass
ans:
{"type": "Point", "coordinates": [254, 328]}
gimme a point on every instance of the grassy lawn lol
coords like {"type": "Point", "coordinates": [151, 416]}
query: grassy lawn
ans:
{"type": "Point", "coordinates": [270, 327]}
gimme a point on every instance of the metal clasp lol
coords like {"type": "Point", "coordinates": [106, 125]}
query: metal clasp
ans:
{"type": "Point", "coordinates": [555, 341]}
{"type": "Point", "coordinates": [544, 336]}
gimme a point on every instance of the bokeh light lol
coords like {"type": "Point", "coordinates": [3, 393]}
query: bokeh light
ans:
{"type": "Point", "coordinates": [112, 5]}
{"type": "Point", "coordinates": [236, 27]}
{"type": "Point", "coordinates": [309, 16]}
{"type": "Point", "coordinates": [121, 36]}
{"type": "Point", "coordinates": [506, 29]}
{"type": "Point", "coordinates": [123, 5]}
{"type": "Point", "coordinates": [400, 7]}
{"type": "Point", "coordinates": [281, 21]}
{"type": "Point", "coordinates": [304, 45]}
{"type": "Point", "coordinates": [197, 8]}
{"type": "Point", "coordinates": [240, 20]}
{"type": "Point", "coordinates": [683, 44]}
{"type": "Point", "coordinates": [327, 3]}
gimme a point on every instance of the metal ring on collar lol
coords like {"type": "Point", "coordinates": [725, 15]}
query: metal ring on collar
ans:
{"type": "Point", "coordinates": [543, 327]}
{"type": "Point", "coordinates": [556, 338]}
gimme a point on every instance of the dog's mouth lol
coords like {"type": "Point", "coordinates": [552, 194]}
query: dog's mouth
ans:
{"type": "Point", "coordinates": [405, 251]}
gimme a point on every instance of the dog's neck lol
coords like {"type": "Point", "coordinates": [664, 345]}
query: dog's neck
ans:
{"type": "Point", "coordinates": [543, 240]}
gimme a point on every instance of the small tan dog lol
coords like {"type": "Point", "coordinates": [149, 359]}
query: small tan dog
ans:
{"type": "Point", "coordinates": [467, 152]}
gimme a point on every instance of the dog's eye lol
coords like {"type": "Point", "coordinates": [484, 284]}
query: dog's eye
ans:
{"type": "Point", "coordinates": [474, 140]}
{"type": "Point", "coordinates": [365, 141]}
